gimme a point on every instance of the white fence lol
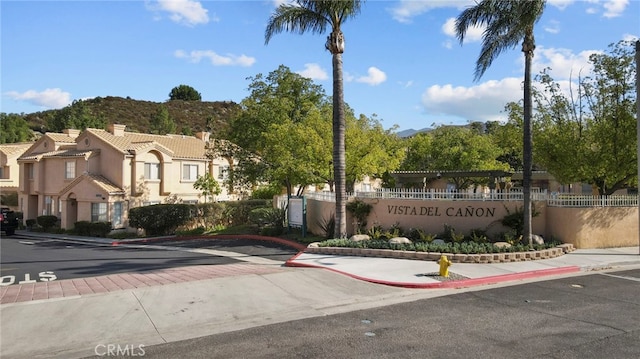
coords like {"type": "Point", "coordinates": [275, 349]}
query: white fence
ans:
{"type": "Point", "coordinates": [552, 199]}
{"type": "Point", "coordinates": [572, 200]}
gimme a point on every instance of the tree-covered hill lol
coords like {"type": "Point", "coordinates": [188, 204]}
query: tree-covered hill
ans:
{"type": "Point", "coordinates": [189, 116]}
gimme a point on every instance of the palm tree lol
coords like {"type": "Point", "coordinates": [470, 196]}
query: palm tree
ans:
{"type": "Point", "coordinates": [508, 22]}
{"type": "Point", "coordinates": [316, 16]}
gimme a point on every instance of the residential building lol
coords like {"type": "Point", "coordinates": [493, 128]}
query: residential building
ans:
{"type": "Point", "coordinates": [98, 175]}
{"type": "Point", "coordinates": [9, 169]}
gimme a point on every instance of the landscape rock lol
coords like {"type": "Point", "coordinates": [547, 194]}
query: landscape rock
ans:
{"type": "Point", "coordinates": [400, 240]}
{"type": "Point", "coordinates": [360, 237]}
{"type": "Point", "coordinates": [438, 241]}
{"type": "Point", "coordinates": [502, 245]}
{"type": "Point", "coordinates": [537, 239]}
{"type": "Point", "coordinates": [313, 245]}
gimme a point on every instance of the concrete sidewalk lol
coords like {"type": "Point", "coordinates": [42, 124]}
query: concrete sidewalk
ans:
{"type": "Point", "coordinates": [80, 318]}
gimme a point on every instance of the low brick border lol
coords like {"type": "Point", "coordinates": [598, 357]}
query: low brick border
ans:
{"type": "Point", "coordinates": [504, 257]}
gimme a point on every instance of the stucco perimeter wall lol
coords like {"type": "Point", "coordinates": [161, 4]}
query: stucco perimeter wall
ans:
{"type": "Point", "coordinates": [596, 227]}
{"type": "Point", "coordinates": [428, 215]}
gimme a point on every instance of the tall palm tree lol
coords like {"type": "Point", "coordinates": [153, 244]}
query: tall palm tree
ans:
{"type": "Point", "coordinates": [508, 22]}
{"type": "Point", "coordinates": [316, 16]}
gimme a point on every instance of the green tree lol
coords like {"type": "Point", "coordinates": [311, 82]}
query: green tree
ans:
{"type": "Point", "coordinates": [316, 16]}
{"type": "Point", "coordinates": [508, 136]}
{"type": "Point", "coordinates": [78, 115]}
{"type": "Point", "coordinates": [184, 93]}
{"type": "Point", "coordinates": [207, 185]}
{"type": "Point", "coordinates": [449, 148]}
{"type": "Point", "coordinates": [508, 23]}
{"type": "Point", "coordinates": [280, 134]}
{"type": "Point", "coordinates": [161, 123]}
{"type": "Point", "coordinates": [591, 138]}
{"type": "Point", "coordinates": [370, 149]}
{"type": "Point", "coordinates": [14, 128]}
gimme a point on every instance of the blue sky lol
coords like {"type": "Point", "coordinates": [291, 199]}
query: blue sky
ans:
{"type": "Point", "coordinates": [402, 61]}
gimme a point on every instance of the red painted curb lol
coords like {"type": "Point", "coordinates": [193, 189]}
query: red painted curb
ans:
{"type": "Point", "coordinates": [449, 284]}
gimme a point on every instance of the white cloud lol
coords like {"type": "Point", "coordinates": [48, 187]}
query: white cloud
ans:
{"type": "Point", "coordinates": [473, 34]}
{"type": "Point", "coordinates": [629, 37]}
{"type": "Point", "coordinates": [560, 4]}
{"type": "Point", "coordinates": [314, 72]}
{"type": "Point", "coordinates": [374, 77]}
{"type": "Point", "coordinates": [553, 27]}
{"type": "Point", "coordinates": [216, 60]}
{"type": "Point", "coordinates": [185, 12]}
{"type": "Point", "coordinates": [563, 63]}
{"type": "Point", "coordinates": [49, 98]}
{"type": "Point", "coordinates": [477, 103]}
{"type": "Point", "coordinates": [407, 9]}
{"type": "Point", "coordinates": [614, 8]}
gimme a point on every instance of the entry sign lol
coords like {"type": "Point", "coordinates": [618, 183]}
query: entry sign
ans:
{"type": "Point", "coordinates": [297, 213]}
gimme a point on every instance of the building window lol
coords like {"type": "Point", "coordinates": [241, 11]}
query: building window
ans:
{"type": "Point", "coordinates": [2, 172]}
{"type": "Point", "coordinates": [99, 212]}
{"type": "Point", "coordinates": [70, 170]}
{"type": "Point", "coordinates": [116, 221]}
{"type": "Point", "coordinates": [152, 171]}
{"type": "Point", "coordinates": [48, 206]}
{"type": "Point", "coordinates": [189, 172]}
{"type": "Point", "coordinates": [30, 170]}
{"type": "Point", "coordinates": [223, 172]}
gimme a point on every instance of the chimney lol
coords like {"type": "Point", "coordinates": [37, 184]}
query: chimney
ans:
{"type": "Point", "coordinates": [204, 136]}
{"type": "Point", "coordinates": [73, 133]}
{"type": "Point", "coordinates": [117, 130]}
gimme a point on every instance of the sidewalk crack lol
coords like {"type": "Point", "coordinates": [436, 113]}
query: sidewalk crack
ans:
{"type": "Point", "coordinates": [149, 317]}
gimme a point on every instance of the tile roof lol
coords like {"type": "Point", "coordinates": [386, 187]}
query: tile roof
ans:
{"type": "Point", "coordinates": [14, 148]}
{"type": "Point", "coordinates": [98, 180]}
{"type": "Point", "coordinates": [69, 152]}
{"type": "Point", "coordinates": [60, 137]}
{"type": "Point", "coordinates": [185, 147]}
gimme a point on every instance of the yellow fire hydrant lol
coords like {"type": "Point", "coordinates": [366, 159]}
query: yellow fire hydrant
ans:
{"type": "Point", "coordinates": [444, 266]}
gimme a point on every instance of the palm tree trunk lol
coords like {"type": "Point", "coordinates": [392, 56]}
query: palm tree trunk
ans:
{"type": "Point", "coordinates": [527, 161]}
{"type": "Point", "coordinates": [339, 148]}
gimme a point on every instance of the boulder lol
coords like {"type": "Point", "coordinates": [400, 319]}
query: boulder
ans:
{"type": "Point", "coordinates": [537, 239]}
{"type": "Point", "coordinates": [360, 237]}
{"type": "Point", "coordinates": [438, 241]}
{"type": "Point", "coordinates": [313, 245]}
{"type": "Point", "coordinates": [400, 240]}
{"type": "Point", "coordinates": [502, 245]}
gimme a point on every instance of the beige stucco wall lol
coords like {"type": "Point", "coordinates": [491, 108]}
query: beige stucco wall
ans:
{"type": "Point", "coordinates": [597, 227]}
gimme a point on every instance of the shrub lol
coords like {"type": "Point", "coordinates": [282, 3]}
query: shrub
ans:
{"type": "Point", "coordinates": [269, 220]}
{"type": "Point", "coordinates": [92, 229]}
{"type": "Point", "coordinates": [328, 226]}
{"type": "Point", "coordinates": [160, 219]}
{"type": "Point", "coordinates": [47, 222]}
{"type": "Point", "coordinates": [360, 210]}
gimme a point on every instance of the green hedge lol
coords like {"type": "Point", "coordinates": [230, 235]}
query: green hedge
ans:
{"type": "Point", "coordinates": [161, 219]}
{"type": "Point", "coordinates": [92, 229]}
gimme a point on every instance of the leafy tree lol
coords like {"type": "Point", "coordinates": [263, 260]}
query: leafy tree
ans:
{"type": "Point", "coordinates": [161, 123]}
{"type": "Point", "coordinates": [508, 136]}
{"type": "Point", "coordinates": [78, 115]}
{"type": "Point", "coordinates": [316, 16]}
{"type": "Point", "coordinates": [591, 137]}
{"type": "Point", "coordinates": [507, 24]}
{"type": "Point", "coordinates": [184, 93]}
{"type": "Point", "coordinates": [208, 185]}
{"type": "Point", "coordinates": [280, 134]}
{"type": "Point", "coordinates": [454, 149]}
{"type": "Point", "coordinates": [14, 128]}
{"type": "Point", "coordinates": [371, 150]}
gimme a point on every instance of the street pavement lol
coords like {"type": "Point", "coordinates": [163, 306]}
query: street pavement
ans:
{"type": "Point", "coordinates": [83, 317]}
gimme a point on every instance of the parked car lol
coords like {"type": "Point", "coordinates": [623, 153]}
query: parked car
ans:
{"type": "Point", "coordinates": [9, 221]}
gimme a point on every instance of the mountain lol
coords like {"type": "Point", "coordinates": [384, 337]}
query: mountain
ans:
{"type": "Point", "coordinates": [189, 116]}
{"type": "Point", "coordinates": [411, 132]}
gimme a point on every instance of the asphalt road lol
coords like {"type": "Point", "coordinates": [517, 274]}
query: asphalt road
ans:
{"type": "Point", "coordinates": [26, 259]}
{"type": "Point", "coordinates": [591, 316]}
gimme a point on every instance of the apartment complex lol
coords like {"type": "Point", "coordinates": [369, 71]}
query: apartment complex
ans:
{"type": "Point", "coordinates": [98, 175]}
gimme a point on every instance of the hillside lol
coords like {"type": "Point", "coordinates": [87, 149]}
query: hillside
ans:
{"type": "Point", "coordinates": [136, 114]}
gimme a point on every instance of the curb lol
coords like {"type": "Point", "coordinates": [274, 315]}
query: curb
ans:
{"type": "Point", "coordinates": [286, 242]}
{"type": "Point", "coordinates": [464, 283]}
